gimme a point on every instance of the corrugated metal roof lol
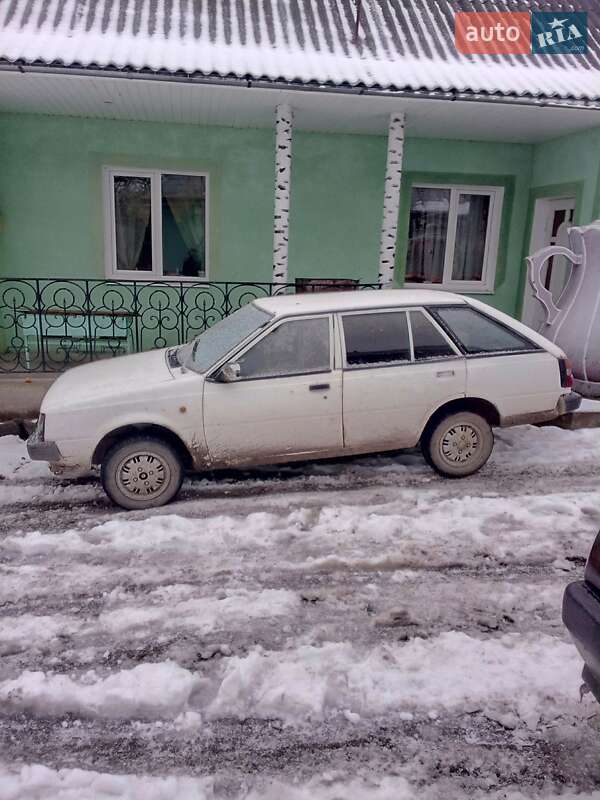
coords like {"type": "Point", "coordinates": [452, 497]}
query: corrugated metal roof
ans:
{"type": "Point", "coordinates": [403, 45]}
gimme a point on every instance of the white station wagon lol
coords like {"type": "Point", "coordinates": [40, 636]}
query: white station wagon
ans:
{"type": "Point", "coordinates": [302, 377]}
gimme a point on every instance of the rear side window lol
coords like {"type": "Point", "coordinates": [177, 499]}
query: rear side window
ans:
{"type": "Point", "coordinates": [428, 342]}
{"type": "Point", "coordinates": [376, 338]}
{"type": "Point", "coordinates": [478, 333]}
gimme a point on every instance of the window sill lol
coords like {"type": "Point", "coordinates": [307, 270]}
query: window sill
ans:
{"type": "Point", "coordinates": [146, 277]}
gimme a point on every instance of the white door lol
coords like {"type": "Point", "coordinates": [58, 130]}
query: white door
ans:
{"type": "Point", "coordinates": [399, 367]}
{"type": "Point", "coordinates": [286, 402]}
{"type": "Point", "coordinates": [551, 220]}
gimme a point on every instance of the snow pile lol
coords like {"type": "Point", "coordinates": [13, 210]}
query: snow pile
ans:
{"type": "Point", "coordinates": [420, 528]}
{"type": "Point", "coordinates": [16, 464]}
{"type": "Point", "coordinates": [415, 525]}
{"type": "Point", "coordinates": [40, 578]}
{"type": "Point", "coordinates": [229, 610]}
{"type": "Point", "coordinates": [37, 782]}
{"type": "Point", "coordinates": [548, 446]}
{"type": "Point", "coordinates": [527, 674]}
{"type": "Point", "coordinates": [23, 631]}
{"type": "Point", "coordinates": [22, 480]}
{"type": "Point", "coordinates": [148, 691]}
{"type": "Point", "coordinates": [202, 614]}
{"type": "Point", "coordinates": [168, 533]}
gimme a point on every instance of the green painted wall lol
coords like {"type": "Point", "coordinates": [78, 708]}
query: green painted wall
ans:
{"type": "Point", "coordinates": [336, 205]}
{"type": "Point", "coordinates": [51, 190]}
{"type": "Point", "coordinates": [566, 166]}
{"type": "Point", "coordinates": [571, 159]}
{"type": "Point", "coordinates": [51, 195]}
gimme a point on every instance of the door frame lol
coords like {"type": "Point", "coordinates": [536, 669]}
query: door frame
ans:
{"type": "Point", "coordinates": [551, 191]}
{"type": "Point", "coordinates": [543, 207]}
{"type": "Point", "coordinates": [334, 369]}
{"type": "Point", "coordinates": [544, 211]}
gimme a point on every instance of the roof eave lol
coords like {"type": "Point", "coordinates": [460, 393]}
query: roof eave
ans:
{"type": "Point", "coordinates": [248, 81]}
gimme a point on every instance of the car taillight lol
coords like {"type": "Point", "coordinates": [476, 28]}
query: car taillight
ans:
{"type": "Point", "coordinates": [592, 568]}
{"type": "Point", "coordinates": [566, 373]}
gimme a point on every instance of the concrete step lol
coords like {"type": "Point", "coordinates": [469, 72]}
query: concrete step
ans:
{"type": "Point", "coordinates": [576, 420]}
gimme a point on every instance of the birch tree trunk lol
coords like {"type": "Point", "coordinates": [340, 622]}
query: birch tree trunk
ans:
{"type": "Point", "coordinates": [283, 169]}
{"type": "Point", "coordinates": [391, 199]}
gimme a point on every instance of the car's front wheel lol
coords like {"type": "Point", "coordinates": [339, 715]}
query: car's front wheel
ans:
{"type": "Point", "coordinates": [458, 444]}
{"type": "Point", "coordinates": [141, 472]}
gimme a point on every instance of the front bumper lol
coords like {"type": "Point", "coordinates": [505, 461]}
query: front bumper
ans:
{"type": "Point", "coordinates": [581, 615]}
{"type": "Point", "coordinates": [42, 451]}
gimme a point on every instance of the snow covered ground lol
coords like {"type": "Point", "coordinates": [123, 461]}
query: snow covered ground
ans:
{"type": "Point", "coordinates": [356, 629]}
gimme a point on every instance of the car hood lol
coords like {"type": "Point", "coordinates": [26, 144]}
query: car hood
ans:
{"type": "Point", "coordinates": [111, 377]}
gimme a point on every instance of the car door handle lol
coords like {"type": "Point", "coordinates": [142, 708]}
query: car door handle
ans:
{"type": "Point", "coordinates": [445, 373]}
{"type": "Point", "coordinates": [318, 387]}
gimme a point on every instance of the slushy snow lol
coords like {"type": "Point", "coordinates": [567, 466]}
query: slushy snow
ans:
{"type": "Point", "coordinates": [356, 629]}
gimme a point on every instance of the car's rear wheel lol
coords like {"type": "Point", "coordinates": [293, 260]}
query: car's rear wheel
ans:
{"type": "Point", "coordinates": [141, 472]}
{"type": "Point", "coordinates": [458, 444]}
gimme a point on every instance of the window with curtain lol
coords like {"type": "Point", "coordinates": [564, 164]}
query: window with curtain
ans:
{"type": "Point", "coordinates": [156, 224]}
{"type": "Point", "coordinates": [453, 236]}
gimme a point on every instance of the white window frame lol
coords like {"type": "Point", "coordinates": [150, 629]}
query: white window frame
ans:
{"type": "Point", "coordinates": [492, 238]}
{"type": "Point", "coordinates": [110, 238]}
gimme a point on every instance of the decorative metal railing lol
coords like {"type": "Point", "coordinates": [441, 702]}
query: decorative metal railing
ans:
{"type": "Point", "coordinates": [49, 324]}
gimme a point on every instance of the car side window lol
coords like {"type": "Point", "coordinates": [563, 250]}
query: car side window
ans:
{"type": "Point", "coordinates": [428, 342]}
{"type": "Point", "coordinates": [478, 333]}
{"type": "Point", "coordinates": [376, 339]}
{"type": "Point", "coordinates": [296, 347]}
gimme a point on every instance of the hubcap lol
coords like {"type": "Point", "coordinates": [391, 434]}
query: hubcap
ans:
{"type": "Point", "coordinates": [459, 444]}
{"type": "Point", "coordinates": [143, 475]}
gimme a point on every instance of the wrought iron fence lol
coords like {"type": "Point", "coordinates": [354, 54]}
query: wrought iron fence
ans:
{"type": "Point", "coordinates": [48, 324]}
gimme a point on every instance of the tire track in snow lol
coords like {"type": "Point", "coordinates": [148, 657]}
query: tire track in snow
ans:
{"type": "Point", "coordinates": [191, 622]}
{"type": "Point", "coordinates": [515, 561]}
{"type": "Point", "coordinates": [462, 755]}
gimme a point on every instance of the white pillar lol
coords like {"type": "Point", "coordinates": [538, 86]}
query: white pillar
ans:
{"type": "Point", "coordinates": [283, 169]}
{"type": "Point", "coordinates": [391, 199]}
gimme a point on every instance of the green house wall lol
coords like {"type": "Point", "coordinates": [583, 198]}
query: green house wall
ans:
{"type": "Point", "coordinates": [565, 166]}
{"type": "Point", "coordinates": [571, 159]}
{"type": "Point", "coordinates": [51, 211]}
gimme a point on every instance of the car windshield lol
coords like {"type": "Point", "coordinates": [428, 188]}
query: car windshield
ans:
{"type": "Point", "coordinates": [207, 348]}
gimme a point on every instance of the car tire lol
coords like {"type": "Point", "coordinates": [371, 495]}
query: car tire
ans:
{"type": "Point", "coordinates": [141, 472]}
{"type": "Point", "coordinates": [458, 444]}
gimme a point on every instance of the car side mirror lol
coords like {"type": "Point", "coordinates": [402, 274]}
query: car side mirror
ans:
{"type": "Point", "coordinates": [229, 373]}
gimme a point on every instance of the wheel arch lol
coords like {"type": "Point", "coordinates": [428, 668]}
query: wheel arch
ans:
{"type": "Point", "coordinates": [476, 405]}
{"type": "Point", "coordinates": [138, 429]}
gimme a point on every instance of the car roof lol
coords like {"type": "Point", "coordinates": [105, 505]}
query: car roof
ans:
{"type": "Point", "coordinates": [322, 302]}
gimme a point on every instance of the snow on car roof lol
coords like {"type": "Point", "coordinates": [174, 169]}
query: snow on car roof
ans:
{"type": "Point", "coordinates": [313, 302]}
